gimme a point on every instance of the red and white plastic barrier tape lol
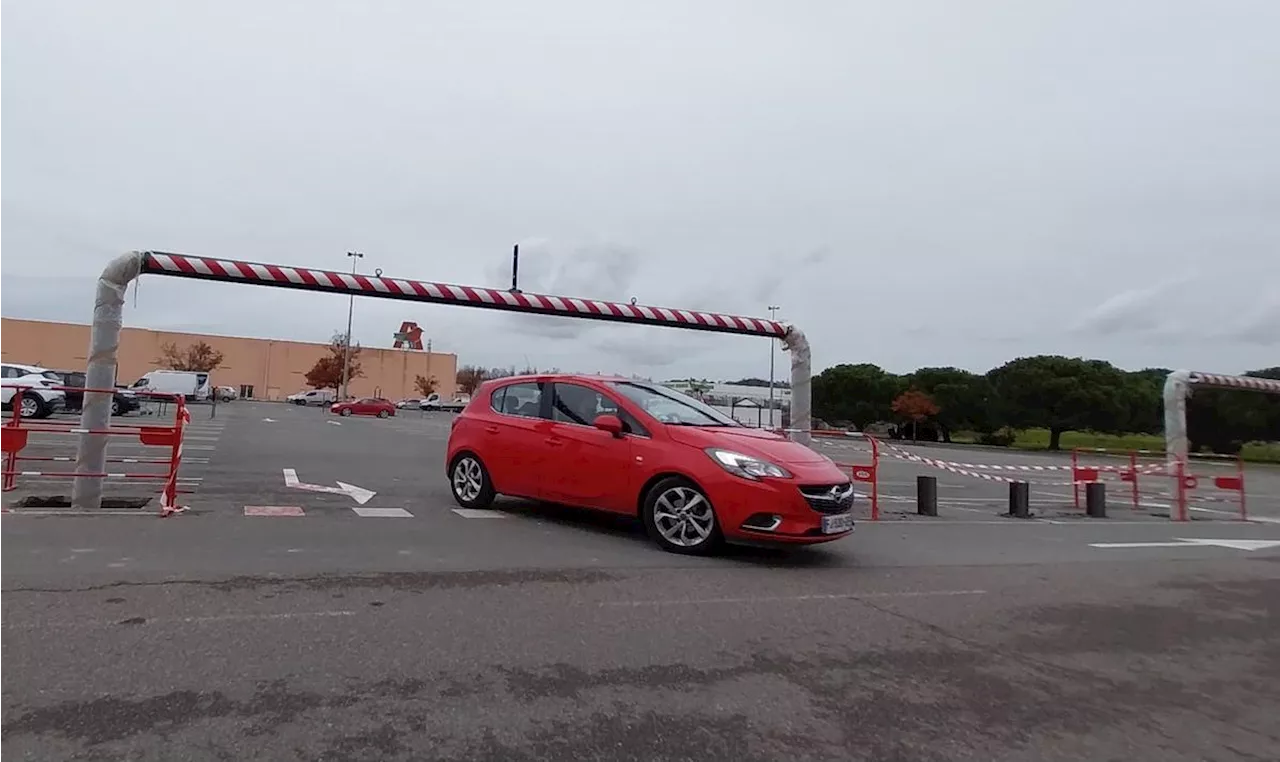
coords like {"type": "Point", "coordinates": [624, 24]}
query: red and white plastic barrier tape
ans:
{"type": "Point", "coordinates": [969, 469]}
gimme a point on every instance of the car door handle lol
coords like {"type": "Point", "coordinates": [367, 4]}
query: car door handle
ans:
{"type": "Point", "coordinates": [554, 441]}
{"type": "Point", "coordinates": [492, 429]}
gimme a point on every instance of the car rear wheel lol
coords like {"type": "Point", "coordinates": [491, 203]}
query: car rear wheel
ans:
{"type": "Point", "coordinates": [680, 517]}
{"type": "Point", "coordinates": [345, 411]}
{"type": "Point", "coordinates": [470, 482]}
{"type": "Point", "coordinates": [115, 407]}
{"type": "Point", "coordinates": [32, 407]}
{"type": "Point", "coordinates": [383, 414]}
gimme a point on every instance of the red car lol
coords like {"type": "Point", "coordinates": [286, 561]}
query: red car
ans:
{"type": "Point", "coordinates": [693, 475]}
{"type": "Point", "coordinates": [365, 406]}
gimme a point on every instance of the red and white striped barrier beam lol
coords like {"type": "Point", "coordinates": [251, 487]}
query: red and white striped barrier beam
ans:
{"type": "Point", "coordinates": [307, 279]}
{"type": "Point", "coordinates": [1220, 381]}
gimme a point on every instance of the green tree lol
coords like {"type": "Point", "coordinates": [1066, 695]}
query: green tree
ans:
{"type": "Point", "coordinates": [963, 399]}
{"type": "Point", "coordinates": [1061, 394]}
{"type": "Point", "coordinates": [859, 394]}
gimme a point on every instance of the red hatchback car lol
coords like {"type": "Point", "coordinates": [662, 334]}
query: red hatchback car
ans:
{"type": "Point", "coordinates": [365, 406]}
{"type": "Point", "coordinates": [694, 476]}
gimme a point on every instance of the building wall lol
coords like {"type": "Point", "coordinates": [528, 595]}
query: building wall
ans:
{"type": "Point", "coordinates": [275, 369]}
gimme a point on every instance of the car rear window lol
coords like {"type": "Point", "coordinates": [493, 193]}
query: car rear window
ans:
{"type": "Point", "coordinates": [524, 400]}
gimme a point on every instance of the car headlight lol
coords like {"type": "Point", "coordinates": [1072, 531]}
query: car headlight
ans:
{"type": "Point", "coordinates": [746, 466]}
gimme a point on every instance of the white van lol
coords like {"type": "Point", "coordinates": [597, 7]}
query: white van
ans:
{"type": "Point", "coordinates": [312, 397]}
{"type": "Point", "coordinates": [193, 385]}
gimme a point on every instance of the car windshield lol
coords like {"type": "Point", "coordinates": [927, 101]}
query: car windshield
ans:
{"type": "Point", "coordinates": [672, 407]}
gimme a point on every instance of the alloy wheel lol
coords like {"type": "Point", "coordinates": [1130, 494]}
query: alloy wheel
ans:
{"type": "Point", "coordinates": [468, 479]}
{"type": "Point", "coordinates": [30, 407]}
{"type": "Point", "coordinates": [683, 517]}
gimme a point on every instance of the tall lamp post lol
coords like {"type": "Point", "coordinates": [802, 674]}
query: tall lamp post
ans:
{"type": "Point", "coordinates": [346, 344]}
{"type": "Point", "coordinates": [773, 311]}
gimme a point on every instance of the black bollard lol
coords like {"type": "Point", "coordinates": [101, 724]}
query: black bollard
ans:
{"type": "Point", "coordinates": [1095, 500]}
{"type": "Point", "coordinates": [927, 495]}
{"type": "Point", "coordinates": [1019, 500]}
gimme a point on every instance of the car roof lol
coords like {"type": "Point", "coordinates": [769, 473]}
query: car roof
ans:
{"type": "Point", "coordinates": [559, 377]}
{"type": "Point", "coordinates": [28, 368]}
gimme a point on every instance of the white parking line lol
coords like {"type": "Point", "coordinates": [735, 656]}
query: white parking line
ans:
{"type": "Point", "coordinates": [474, 513]}
{"type": "Point", "coordinates": [381, 513]}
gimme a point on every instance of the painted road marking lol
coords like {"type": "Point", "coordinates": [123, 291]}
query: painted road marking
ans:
{"type": "Point", "coordinates": [477, 513]}
{"type": "Point", "coordinates": [274, 510]}
{"type": "Point", "coordinates": [382, 513]}
{"type": "Point", "coordinates": [1191, 542]}
{"type": "Point", "coordinates": [358, 494]}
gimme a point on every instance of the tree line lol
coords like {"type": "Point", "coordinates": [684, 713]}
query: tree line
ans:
{"type": "Point", "coordinates": [1046, 391]}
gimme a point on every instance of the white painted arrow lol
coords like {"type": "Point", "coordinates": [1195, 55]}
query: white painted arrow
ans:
{"type": "Point", "coordinates": [1191, 542]}
{"type": "Point", "coordinates": [358, 494]}
{"type": "Point", "coordinates": [334, 423]}
{"type": "Point", "coordinates": [268, 420]}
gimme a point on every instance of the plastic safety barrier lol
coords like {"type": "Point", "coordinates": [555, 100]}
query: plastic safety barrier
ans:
{"type": "Point", "coordinates": [16, 434]}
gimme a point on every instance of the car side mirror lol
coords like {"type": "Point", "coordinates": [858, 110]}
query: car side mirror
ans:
{"type": "Point", "coordinates": [609, 423]}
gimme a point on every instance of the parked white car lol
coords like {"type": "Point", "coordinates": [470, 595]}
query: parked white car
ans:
{"type": "Point", "coordinates": [38, 401]}
{"type": "Point", "coordinates": [321, 397]}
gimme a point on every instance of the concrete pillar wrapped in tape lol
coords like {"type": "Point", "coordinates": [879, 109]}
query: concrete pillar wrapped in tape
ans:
{"type": "Point", "coordinates": [104, 346]}
{"type": "Point", "coordinates": [795, 342]}
{"type": "Point", "coordinates": [1176, 387]}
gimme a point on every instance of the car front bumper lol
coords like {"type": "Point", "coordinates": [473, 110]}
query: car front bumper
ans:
{"type": "Point", "coordinates": [774, 511]}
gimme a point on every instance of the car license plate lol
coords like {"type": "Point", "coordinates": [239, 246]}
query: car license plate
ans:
{"type": "Point", "coordinates": [840, 522]}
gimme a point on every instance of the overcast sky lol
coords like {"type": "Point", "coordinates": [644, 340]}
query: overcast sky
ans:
{"type": "Point", "coordinates": [921, 183]}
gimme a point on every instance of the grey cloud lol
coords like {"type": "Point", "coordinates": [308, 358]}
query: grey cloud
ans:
{"type": "Point", "coordinates": [603, 270]}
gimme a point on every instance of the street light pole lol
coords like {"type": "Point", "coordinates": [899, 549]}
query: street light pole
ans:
{"type": "Point", "coordinates": [346, 344]}
{"type": "Point", "coordinates": [773, 311]}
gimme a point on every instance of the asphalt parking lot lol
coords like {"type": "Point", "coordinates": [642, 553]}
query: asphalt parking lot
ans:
{"type": "Point", "coordinates": [274, 621]}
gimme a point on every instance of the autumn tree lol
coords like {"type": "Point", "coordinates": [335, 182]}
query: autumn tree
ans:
{"type": "Point", "coordinates": [469, 378]}
{"type": "Point", "coordinates": [327, 372]}
{"type": "Point", "coordinates": [198, 357]}
{"type": "Point", "coordinates": [426, 385]}
{"type": "Point", "coordinates": [915, 406]}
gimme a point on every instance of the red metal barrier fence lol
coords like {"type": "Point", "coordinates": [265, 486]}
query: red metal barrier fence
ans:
{"type": "Point", "coordinates": [16, 435]}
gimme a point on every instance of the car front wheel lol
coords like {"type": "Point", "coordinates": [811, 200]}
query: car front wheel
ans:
{"type": "Point", "coordinates": [470, 482]}
{"type": "Point", "coordinates": [32, 407]}
{"type": "Point", "coordinates": [115, 407]}
{"type": "Point", "coordinates": [680, 517]}
{"type": "Point", "coordinates": [383, 414]}
{"type": "Point", "coordinates": [345, 411]}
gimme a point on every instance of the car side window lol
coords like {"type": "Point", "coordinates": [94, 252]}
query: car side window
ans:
{"type": "Point", "coordinates": [572, 403]}
{"type": "Point", "coordinates": [630, 425]}
{"type": "Point", "coordinates": [9, 371]}
{"type": "Point", "coordinates": [522, 400]}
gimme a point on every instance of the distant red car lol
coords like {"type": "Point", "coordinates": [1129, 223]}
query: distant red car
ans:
{"type": "Point", "coordinates": [365, 406]}
{"type": "Point", "coordinates": [693, 475]}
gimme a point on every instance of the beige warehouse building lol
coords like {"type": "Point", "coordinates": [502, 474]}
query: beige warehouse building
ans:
{"type": "Point", "coordinates": [265, 369]}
